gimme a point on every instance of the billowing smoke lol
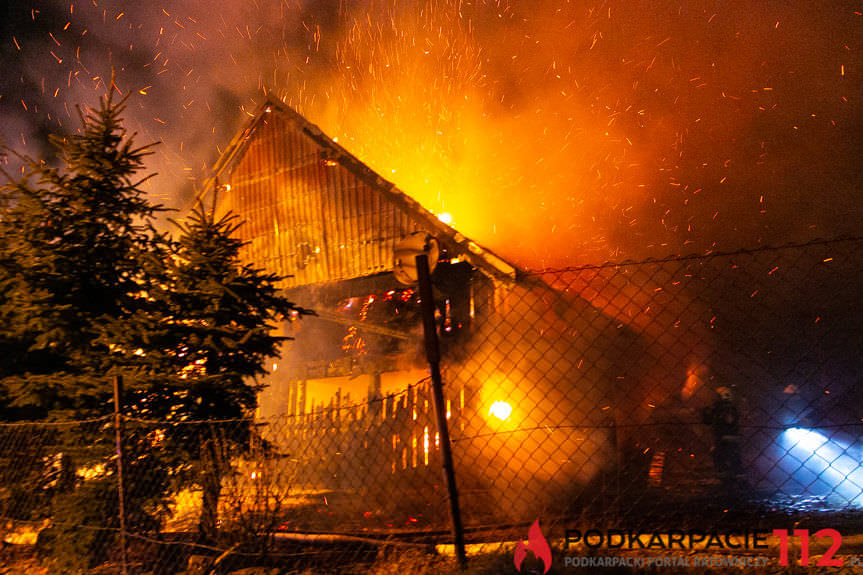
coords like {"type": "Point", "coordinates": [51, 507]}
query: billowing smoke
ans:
{"type": "Point", "coordinates": [556, 132]}
{"type": "Point", "coordinates": [191, 70]}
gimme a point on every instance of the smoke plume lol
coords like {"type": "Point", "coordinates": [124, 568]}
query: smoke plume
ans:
{"type": "Point", "coordinates": [555, 132]}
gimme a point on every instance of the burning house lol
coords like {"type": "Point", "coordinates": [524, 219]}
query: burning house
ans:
{"type": "Point", "coordinates": [535, 377]}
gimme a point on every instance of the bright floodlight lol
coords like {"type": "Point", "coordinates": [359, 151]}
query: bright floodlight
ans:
{"type": "Point", "coordinates": [805, 438]}
{"type": "Point", "coordinates": [501, 410]}
{"type": "Point", "coordinates": [821, 465]}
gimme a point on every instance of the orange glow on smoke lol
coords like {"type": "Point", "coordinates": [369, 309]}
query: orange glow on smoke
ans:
{"type": "Point", "coordinates": [556, 132]}
{"type": "Point", "coordinates": [413, 99]}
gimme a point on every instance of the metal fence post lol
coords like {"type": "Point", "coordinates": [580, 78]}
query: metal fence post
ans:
{"type": "Point", "coordinates": [118, 436]}
{"type": "Point", "coordinates": [433, 356]}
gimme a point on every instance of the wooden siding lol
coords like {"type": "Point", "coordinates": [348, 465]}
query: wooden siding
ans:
{"type": "Point", "coordinates": [393, 438]}
{"type": "Point", "coordinates": [306, 216]}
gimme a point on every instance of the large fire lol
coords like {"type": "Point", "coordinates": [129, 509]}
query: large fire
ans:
{"type": "Point", "coordinates": [560, 132]}
{"type": "Point", "coordinates": [554, 132]}
{"type": "Point", "coordinates": [466, 108]}
{"type": "Point", "coordinates": [557, 132]}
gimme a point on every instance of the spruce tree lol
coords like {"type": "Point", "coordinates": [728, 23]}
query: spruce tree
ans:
{"type": "Point", "coordinates": [211, 325]}
{"type": "Point", "coordinates": [73, 239]}
{"type": "Point", "coordinates": [225, 314]}
{"type": "Point", "coordinates": [89, 290]}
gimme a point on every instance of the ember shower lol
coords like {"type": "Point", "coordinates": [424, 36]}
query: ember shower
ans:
{"type": "Point", "coordinates": [555, 134]}
{"type": "Point", "coordinates": [611, 128]}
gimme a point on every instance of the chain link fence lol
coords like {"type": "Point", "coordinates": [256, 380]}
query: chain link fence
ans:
{"type": "Point", "coordinates": [648, 392]}
{"type": "Point", "coordinates": [720, 390]}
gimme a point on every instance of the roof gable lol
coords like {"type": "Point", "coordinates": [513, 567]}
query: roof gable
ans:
{"type": "Point", "coordinates": [315, 212]}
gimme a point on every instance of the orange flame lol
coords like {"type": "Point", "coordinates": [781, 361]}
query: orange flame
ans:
{"type": "Point", "coordinates": [536, 544]}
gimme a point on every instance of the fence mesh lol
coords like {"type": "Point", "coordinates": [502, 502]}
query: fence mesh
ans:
{"type": "Point", "coordinates": [718, 389]}
{"type": "Point", "coordinates": [648, 391]}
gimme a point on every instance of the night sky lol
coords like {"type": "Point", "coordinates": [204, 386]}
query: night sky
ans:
{"type": "Point", "coordinates": [555, 132]}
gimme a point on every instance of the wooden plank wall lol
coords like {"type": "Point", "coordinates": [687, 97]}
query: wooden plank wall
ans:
{"type": "Point", "coordinates": [349, 447]}
{"type": "Point", "coordinates": [307, 216]}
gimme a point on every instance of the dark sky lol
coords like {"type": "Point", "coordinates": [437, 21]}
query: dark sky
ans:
{"type": "Point", "coordinates": [556, 132]}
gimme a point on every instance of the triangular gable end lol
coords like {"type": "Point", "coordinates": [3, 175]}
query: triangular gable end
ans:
{"type": "Point", "coordinates": [313, 211]}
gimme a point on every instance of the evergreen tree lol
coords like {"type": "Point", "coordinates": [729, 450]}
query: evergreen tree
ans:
{"type": "Point", "coordinates": [72, 240]}
{"type": "Point", "coordinates": [88, 290]}
{"type": "Point", "coordinates": [218, 317]}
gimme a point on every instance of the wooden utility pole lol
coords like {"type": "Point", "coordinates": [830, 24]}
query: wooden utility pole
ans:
{"type": "Point", "coordinates": [433, 356]}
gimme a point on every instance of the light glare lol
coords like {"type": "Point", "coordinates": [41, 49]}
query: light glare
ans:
{"type": "Point", "coordinates": [501, 410]}
{"type": "Point", "coordinates": [821, 465]}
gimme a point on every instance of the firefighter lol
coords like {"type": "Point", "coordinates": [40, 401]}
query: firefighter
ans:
{"type": "Point", "coordinates": [723, 417]}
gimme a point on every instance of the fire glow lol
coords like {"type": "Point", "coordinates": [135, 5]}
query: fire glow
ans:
{"type": "Point", "coordinates": [501, 410]}
{"type": "Point", "coordinates": [553, 131]}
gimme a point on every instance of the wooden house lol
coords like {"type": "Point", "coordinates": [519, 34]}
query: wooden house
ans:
{"type": "Point", "coordinates": [533, 375]}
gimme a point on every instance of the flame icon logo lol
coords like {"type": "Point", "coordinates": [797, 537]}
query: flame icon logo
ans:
{"type": "Point", "coordinates": [536, 544]}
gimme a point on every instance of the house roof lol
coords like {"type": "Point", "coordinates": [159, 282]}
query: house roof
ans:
{"type": "Point", "coordinates": [457, 244]}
